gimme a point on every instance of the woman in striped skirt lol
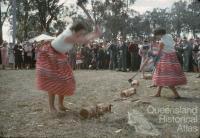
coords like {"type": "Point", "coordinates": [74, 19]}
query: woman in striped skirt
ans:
{"type": "Point", "coordinates": [168, 69]}
{"type": "Point", "coordinates": [53, 72]}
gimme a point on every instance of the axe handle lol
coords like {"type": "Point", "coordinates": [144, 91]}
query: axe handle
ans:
{"type": "Point", "coordinates": [135, 74]}
{"type": "Point", "coordinates": [86, 12]}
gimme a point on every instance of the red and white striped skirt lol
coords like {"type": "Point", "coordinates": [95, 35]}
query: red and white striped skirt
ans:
{"type": "Point", "coordinates": [168, 71]}
{"type": "Point", "coordinates": [53, 72]}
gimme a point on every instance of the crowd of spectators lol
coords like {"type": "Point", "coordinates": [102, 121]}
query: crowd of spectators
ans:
{"type": "Point", "coordinates": [118, 55]}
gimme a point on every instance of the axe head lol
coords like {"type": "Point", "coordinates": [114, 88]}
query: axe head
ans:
{"type": "Point", "coordinates": [130, 80]}
{"type": "Point", "coordinates": [81, 2]}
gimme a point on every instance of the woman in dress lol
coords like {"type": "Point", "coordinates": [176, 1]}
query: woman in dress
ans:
{"type": "Point", "coordinates": [168, 69]}
{"type": "Point", "coordinates": [54, 74]}
{"type": "Point", "coordinates": [4, 55]}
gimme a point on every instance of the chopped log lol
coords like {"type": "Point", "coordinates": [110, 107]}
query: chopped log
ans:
{"type": "Point", "coordinates": [135, 83]}
{"type": "Point", "coordinates": [95, 111]}
{"type": "Point", "coordinates": [103, 108]}
{"type": "Point", "coordinates": [128, 92]}
{"type": "Point", "coordinates": [88, 112]}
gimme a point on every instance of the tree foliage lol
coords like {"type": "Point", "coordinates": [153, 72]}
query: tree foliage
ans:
{"type": "Point", "coordinates": [114, 17]}
{"type": "Point", "coordinates": [3, 16]}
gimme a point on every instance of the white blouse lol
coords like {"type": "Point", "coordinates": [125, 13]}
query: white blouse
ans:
{"type": "Point", "coordinates": [168, 42]}
{"type": "Point", "coordinates": [59, 43]}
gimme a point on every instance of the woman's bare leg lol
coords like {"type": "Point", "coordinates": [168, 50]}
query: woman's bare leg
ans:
{"type": "Point", "coordinates": [158, 94]}
{"type": "Point", "coordinates": [143, 76]}
{"type": "Point", "coordinates": [61, 103]}
{"type": "Point", "coordinates": [152, 86]}
{"type": "Point", "coordinates": [176, 94]}
{"type": "Point", "coordinates": [51, 102]}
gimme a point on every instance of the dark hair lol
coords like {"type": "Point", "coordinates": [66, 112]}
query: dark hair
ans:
{"type": "Point", "coordinates": [184, 38]}
{"type": "Point", "coordinates": [77, 27]}
{"type": "Point", "coordinates": [159, 31]}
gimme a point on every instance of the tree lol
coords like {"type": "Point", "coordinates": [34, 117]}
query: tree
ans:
{"type": "Point", "coordinates": [37, 16]}
{"type": "Point", "coordinates": [158, 18]}
{"type": "Point", "coordinates": [48, 11]}
{"type": "Point", "coordinates": [24, 19]}
{"type": "Point", "coordinates": [3, 16]}
{"type": "Point", "coordinates": [193, 17]}
{"type": "Point", "coordinates": [113, 15]}
{"type": "Point", "coordinates": [178, 13]}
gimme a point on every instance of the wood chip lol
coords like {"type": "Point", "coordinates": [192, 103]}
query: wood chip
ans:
{"type": "Point", "coordinates": [118, 131]}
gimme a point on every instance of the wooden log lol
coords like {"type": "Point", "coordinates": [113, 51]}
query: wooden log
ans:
{"type": "Point", "coordinates": [128, 92]}
{"type": "Point", "coordinates": [135, 83]}
{"type": "Point", "coordinates": [95, 111]}
{"type": "Point", "coordinates": [88, 112]}
{"type": "Point", "coordinates": [103, 108]}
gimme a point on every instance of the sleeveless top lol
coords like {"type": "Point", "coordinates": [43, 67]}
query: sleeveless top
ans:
{"type": "Point", "coordinates": [168, 42]}
{"type": "Point", "coordinates": [59, 43]}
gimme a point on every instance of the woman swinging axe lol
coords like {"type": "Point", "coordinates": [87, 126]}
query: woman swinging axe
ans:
{"type": "Point", "coordinates": [53, 72]}
{"type": "Point", "coordinates": [168, 71]}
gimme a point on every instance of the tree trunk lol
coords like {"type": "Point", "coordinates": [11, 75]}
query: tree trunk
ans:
{"type": "Point", "coordinates": [178, 32]}
{"type": "Point", "coordinates": [1, 35]}
{"type": "Point", "coordinates": [26, 20]}
{"type": "Point", "coordinates": [1, 31]}
{"type": "Point", "coordinates": [194, 32]}
{"type": "Point", "coordinates": [48, 24]}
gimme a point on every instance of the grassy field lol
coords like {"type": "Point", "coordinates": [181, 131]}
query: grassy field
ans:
{"type": "Point", "coordinates": [24, 110]}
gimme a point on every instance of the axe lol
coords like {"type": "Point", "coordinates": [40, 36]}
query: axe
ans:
{"type": "Point", "coordinates": [131, 79]}
{"type": "Point", "coordinates": [81, 3]}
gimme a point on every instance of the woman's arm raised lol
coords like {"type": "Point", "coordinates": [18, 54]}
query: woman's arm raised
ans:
{"type": "Point", "coordinates": [84, 39]}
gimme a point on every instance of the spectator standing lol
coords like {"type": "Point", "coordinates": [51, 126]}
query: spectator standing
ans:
{"type": "Point", "coordinates": [100, 57]}
{"type": "Point", "coordinates": [198, 56]}
{"type": "Point", "coordinates": [0, 56]}
{"type": "Point", "coordinates": [29, 56]}
{"type": "Point", "coordinates": [18, 56]}
{"type": "Point", "coordinates": [11, 56]}
{"type": "Point", "coordinates": [78, 60]}
{"type": "Point", "coordinates": [135, 59]}
{"type": "Point", "coordinates": [179, 51]}
{"type": "Point", "coordinates": [195, 51]}
{"type": "Point", "coordinates": [124, 48]}
{"type": "Point", "coordinates": [187, 53]}
{"type": "Point", "coordinates": [72, 57]}
{"type": "Point", "coordinates": [4, 55]}
{"type": "Point", "coordinates": [107, 55]}
{"type": "Point", "coordinates": [113, 55]}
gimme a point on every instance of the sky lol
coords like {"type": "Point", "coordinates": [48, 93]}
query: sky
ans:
{"type": "Point", "coordinates": [144, 5]}
{"type": "Point", "coordinates": [140, 5]}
